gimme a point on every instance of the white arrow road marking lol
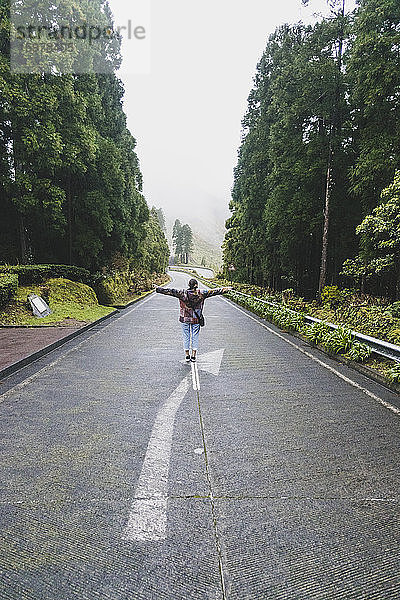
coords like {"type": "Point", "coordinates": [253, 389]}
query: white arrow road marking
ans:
{"type": "Point", "coordinates": [211, 362]}
{"type": "Point", "coordinates": [147, 520]}
{"type": "Point", "coordinates": [148, 517]}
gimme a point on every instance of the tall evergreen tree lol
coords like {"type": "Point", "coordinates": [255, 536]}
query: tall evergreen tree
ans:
{"type": "Point", "coordinates": [374, 77]}
{"type": "Point", "coordinates": [161, 218]}
{"type": "Point", "coordinates": [274, 235]}
{"type": "Point", "coordinates": [154, 251]}
{"type": "Point", "coordinates": [71, 187]}
{"type": "Point", "coordinates": [177, 239]}
{"type": "Point", "coordinates": [187, 242]}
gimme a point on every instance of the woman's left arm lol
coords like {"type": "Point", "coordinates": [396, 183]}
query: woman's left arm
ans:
{"type": "Point", "coordinates": [216, 292]}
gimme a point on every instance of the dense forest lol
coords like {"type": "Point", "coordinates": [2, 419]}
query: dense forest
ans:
{"type": "Point", "coordinates": [315, 199]}
{"type": "Point", "coordinates": [70, 182]}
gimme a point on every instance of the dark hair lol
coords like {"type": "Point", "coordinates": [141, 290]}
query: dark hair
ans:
{"type": "Point", "coordinates": [193, 284]}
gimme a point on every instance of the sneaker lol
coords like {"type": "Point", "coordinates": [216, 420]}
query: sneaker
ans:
{"type": "Point", "coordinates": [193, 359]}
{"type": "Point", "coordinates": [187, 359]}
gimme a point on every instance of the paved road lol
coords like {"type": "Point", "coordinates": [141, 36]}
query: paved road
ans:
{"type": "Point", "coordinates": [277, 480]}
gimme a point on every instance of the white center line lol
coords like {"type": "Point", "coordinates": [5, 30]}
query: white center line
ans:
{"type": "Point", "coordinates": [196, 371]}
{"type": "Point", "coordinates": [195, 377]}
{"type": "Point", "coordinates": [147, 520]}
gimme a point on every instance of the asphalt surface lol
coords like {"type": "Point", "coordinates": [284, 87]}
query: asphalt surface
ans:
{"type": "Point", "coordinates": [282, 480]}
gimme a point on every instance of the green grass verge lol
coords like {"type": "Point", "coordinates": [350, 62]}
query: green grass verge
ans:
{"type": "Point", "coordinates": [71, 303]}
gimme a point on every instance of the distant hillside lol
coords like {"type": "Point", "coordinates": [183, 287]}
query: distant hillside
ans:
{"type": "Point", "coordinates": [208, 233]}
{"type": "Point", "coordinates": [205, 253]}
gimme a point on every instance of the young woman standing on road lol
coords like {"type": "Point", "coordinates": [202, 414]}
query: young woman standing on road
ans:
{"type": "Point", "coordinates": [191, 312]}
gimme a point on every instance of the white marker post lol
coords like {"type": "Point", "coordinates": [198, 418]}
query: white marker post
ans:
{"type": "Point", "coordinates": [147, 520]}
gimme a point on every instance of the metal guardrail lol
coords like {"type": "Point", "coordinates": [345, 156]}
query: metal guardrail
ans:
{"type": "Point", "coordinates": [384, 349]}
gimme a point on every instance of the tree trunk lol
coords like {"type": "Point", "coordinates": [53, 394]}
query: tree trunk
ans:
{"type": "Point", "coordinates": [23, 242]}
{"type": "Point", "coordinates": [69, 203]}
{"type": "Point", "coordinates": [336, 126]}
{"type": "Point", "coordinates": [325, 235]}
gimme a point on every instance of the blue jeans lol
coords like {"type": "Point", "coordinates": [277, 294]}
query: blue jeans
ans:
{"type": "Point", "coordinates": [190, 330]}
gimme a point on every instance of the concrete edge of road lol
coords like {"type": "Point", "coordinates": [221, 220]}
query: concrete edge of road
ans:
{"type": "Point", "coordinates": [27, 360]}
{"type": "Point", "coordinates": [363, 370]}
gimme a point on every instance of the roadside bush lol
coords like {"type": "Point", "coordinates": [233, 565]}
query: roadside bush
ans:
{"type": "Point", "coordinates": [116, 287]}
{"type": "Point", "coordinates": [297, 304]}
{"type": "Point", "coordinates": [287, 295]}
{"type": "Point", "coordinates": [359, 352]}
{"type": "Point", "coordinates": [113, 288]}
{"type": "Point", "coordinates": [330, 295]}
{"type": "Point", "coordinates": [38, 273]}
{"type": "Point", "coordinates": [317, 332]}
{"type": "Point", "coordinates": [281, 316]}
{"type": "Point", "coordinates": [338, 341]}
{"type": "Point", "coordinates": [8, 288]}
{"type": "Point", "coordinates": [61, 290]}
{"type": "Point", "coordinates": [394, 335]}
{"type": "Point", "coordinates": [286, 319]}
{"type": "Point", "coordinates": [394, 310]}
{"type": "Point", "coordinates": [333, 297]}
{"type": "Point", "coordinates": [394, 374]}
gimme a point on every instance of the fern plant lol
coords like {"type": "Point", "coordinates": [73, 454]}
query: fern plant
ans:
{"type": "Point", "coordinates": [339, 340]}
{"type": "Point", "coordinates": [394, 374]}
{"type": "Point", "coordinates": [359, 352]}
{"type": "Point", "coordinates": [317, 332]}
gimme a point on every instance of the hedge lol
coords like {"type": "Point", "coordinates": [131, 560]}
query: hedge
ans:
{"type": "Point", "coordinates": [117, 287]}
{"type": "Point", "coordinates": [8, 287]}
{"type": "Point", "coordinates": [37, 273]}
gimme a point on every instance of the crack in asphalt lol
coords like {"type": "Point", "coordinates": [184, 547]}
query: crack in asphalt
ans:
{"type": "Point", "coordinates": [211, 498]}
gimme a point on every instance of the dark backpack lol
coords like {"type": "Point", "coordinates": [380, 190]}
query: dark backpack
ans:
{"type": "Point", "coordinates": [200, 318]}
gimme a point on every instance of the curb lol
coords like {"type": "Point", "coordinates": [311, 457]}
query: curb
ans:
{"type": "Point", "coordinates": [47, 349]}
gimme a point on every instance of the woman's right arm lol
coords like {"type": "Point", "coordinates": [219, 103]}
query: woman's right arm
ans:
{"type": "Point", "coordinates": [169, 292]}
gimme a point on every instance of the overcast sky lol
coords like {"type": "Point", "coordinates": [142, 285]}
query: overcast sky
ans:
{"type": "Point", "coordinates": [186, 111]}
